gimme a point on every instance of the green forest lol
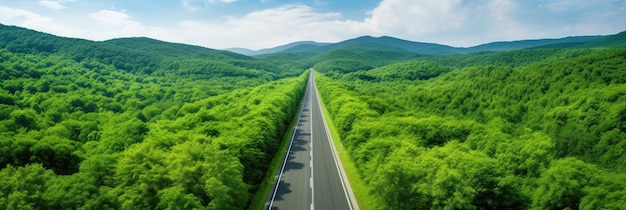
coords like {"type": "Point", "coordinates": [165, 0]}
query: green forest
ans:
{"type": "Point", "coordinates": [137, 123]}
{"type": "Point", "coordinates": [530, 129]}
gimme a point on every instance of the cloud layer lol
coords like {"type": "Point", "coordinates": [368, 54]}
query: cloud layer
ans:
{"type": "Point", "coordinates": [452, 22]}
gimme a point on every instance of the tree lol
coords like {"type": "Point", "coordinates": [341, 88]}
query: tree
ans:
{"type": "Point", "coordinates": [562, 185]}
{"type": "Point", "coordinates": [176, 198]}
{"type": "Point", "coordinates": [26, 119]}
{"type": "Point", "coordinates": [24, 187]}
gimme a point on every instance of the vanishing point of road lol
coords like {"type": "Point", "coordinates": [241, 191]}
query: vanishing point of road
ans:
{"type": "Point", "coordinates": [310, 177]}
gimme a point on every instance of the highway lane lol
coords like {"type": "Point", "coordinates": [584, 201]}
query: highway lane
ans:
{"type": "Point", "coordinates": [329, 190]}
{"type": "Point", "coordinates": [301, 186]}
{"type": "Point", "coordinates": [294, 188]}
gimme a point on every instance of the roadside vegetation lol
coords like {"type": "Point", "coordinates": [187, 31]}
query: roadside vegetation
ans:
{"type": "Point", "coordinates": [137, 123]}
{"type": "Point", "coordinates": [432, 133]}
{"type": "Point", "coordinates": [91, 125]}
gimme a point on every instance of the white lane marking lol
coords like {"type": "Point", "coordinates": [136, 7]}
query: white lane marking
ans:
{"type": "Point", "coordinates": [282, 168]}
{"type": "Point", "coordinates": [311, 152]}
{"type": "Point", "coordinates": [331, 147]}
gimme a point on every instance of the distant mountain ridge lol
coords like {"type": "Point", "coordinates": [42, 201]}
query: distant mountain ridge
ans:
{"type": "Point", "coordinates": [50, 43]}
{"type": "Point", "coordinates": [135, 54]}
{"type": "Point", "coordinates": [169, 48]}
{"type": "Point", "coordinates": [524, 44]}
{"type": "Point", "coordinates": [23, 40]}
{"type": "Point", "coordinates": [277, 49]}
{"type": "Point", "coordinates": [390, 43]}
{"type": "Point", "coordinates": [387, 43]}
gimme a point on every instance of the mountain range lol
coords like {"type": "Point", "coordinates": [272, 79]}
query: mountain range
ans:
{"type": "Point", "coordinates": [137, 122]}
{"type": "Point", "coordinates": [387, 43]}
{"type": "Point", "coordinates": [295, 46]}
{"type": "Point", "coordinates": [365, 44]}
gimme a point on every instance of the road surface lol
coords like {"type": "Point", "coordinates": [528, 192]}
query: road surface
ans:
{"type": "Point", "coordinates": [301, 186]}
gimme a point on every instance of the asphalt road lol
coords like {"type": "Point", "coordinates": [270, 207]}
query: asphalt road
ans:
{"type": "Point", "coordinates": [301, 186]}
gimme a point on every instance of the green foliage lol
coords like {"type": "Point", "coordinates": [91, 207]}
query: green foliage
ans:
{"type": "Point", "coordinates": [562, 185]}
{"type": "Point", "coordinates": [540, 129]}
{"type": "Point", "coordinates": [136, 123]}
{"type": "Point", "coordinates": [24, 187]}
{"type": "Point", "coordinates": [449, 177]}
{"type": "Point", "coordinates": [410, 70]}
{"type": "Point", "coordinates": [24, 119]}
{"type": "Point", "coordinates": [143, 124]}
{"type": "Point", "coordinates": [342, 66]}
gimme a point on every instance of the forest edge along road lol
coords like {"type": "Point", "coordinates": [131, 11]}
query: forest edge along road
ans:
{"type": "Point", "coordinates": [294, 192]}
{"type": "Point", "coordinates": [328, 187]}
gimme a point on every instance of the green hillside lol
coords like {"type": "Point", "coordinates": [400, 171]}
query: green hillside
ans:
{"type": "Point", "coordinates": [390, 43]}
{"type": "Point", "coordinates": [157, 47]}
{"type": "Point", "coordinates": [538, 129]}
{"type": "Point", "coordinates": [351, 60]}
{"type": "Point", "coordinates": [386, 43]}
{"type": "Point", "coordinates": [539, 43]}
{"type": "Point", "coordinates": [610, 41]}
{"type": "Point", "coordinates": [136, 123]}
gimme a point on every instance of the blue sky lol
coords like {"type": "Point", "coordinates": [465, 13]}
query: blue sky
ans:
{"type": "Point", "coordinates": [258, 24]}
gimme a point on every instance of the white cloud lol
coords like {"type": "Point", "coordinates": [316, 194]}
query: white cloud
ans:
{"type": "Point", "coordinates": [411, 17]}
{"type": "Point", "coordinates": [455, 22]}
{"type": "Point", "coordinates": [10, 14]}
{"type": "Point", "coordinates": [287, 14]}
{"type": "Point", "coordinates": [194, 5]}
{"type": "Point", "coordinates": [429, 21]}
{"type": "Point", "coordinates": [561, 6]}
{"type": "Point", "coordinates": [28, 19]}
{"type": "Point", "coordinates": [264, 28]}
{"type": "Point", "coordinates": [112, 17]}
{"type": "Point", "coordinates": [190, 5]}
{"type": "Point", "coordinates": [472, 22]}
{"type": "Point", "coordinates": [110, 24]}
{"type": "Point", "coordinates": [452, 22]}
{"type": "Point", "coordinates": [54, 4]}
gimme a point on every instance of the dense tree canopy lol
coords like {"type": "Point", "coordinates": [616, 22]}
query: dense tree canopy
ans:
{"type": "Point", "coordinates": [541, 129]}
{"type": "Point", "coordinates": [136, 123]}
